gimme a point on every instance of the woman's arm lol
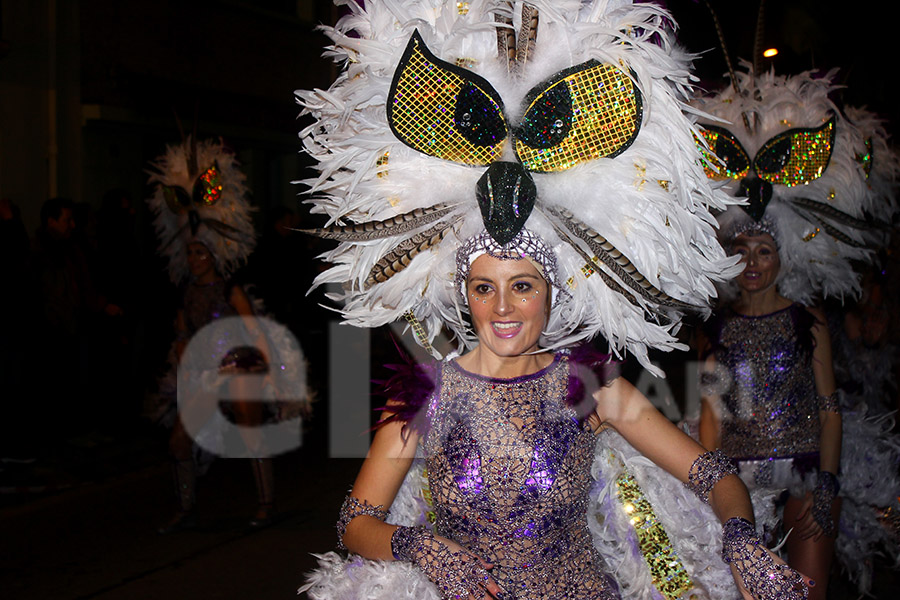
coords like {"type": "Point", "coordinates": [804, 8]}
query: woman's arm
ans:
{"type": "Point", "coordinates": [757, 572]}
{"type": "Point", "coordinates": [181, 333]}
{"type": "Point", "coordinates": [829, 413]}
{"type": "Point", "coordinates": [628, 411]}
{"type": "Point", "coordinates": [457, 571]}
{"type": "Point", "coordinates": [387, 462]}
{"type": "Point", "coordinates": [815, 517]}
{"type": "Point", "coordinates": [710, 427]}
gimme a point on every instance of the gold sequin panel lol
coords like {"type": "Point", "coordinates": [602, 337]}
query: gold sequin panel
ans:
{"type": "Point", "coordinates": [668, 574]}
{"type": "Point", "coordinates": [443, 110]}
{"type": "Point", "coordinates": [796, 157]}
{"type": "Point", "coordinates": [591, 111]}
{"type": "Point", "coordinates": [725, 148]}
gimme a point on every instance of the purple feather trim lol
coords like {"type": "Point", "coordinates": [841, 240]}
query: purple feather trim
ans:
{"type": "Point", "coordinates": [591, 367]}
{"type": "Point", "coordinates": [408, 392]}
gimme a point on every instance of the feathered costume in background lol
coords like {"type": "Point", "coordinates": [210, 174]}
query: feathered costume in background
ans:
{"type": "Point", "coordinates": [577, 130]}
{"type": "Point", "coordinates": [200, 195]}
{"type": "Point", "coordinates": [568, 118]}
{"type": "Point", "coordinates": [822, 181]}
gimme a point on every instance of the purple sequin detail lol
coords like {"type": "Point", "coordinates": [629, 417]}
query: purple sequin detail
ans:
{"type": "Point", "coordinates": [465, 461]}
{"type": "Point", "coordinates": [542, 472]}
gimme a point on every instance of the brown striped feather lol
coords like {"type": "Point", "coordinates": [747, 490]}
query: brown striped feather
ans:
{"type": "Point", "coordinates": [617, 262]}
{"type": "Point", "coordinates": [374, 230]}
{"type": "Point", "coordinates": [403, 253]}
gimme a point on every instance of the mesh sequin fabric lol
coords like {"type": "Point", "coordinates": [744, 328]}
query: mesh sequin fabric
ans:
{"type": "Point", "coordinates": [509, 471]}
{"type": "Point", "coordinates": [742, 548]}
{"type": "Point", "coordinates": [770, 408]}
{"type": "Point", "coordinates": [795, 157]}
{"type": "Point", "coordinates": [592, 113]}
{"type": "Point", "coordinates": [445, 111]}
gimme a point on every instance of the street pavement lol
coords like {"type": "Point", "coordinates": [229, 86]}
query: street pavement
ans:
{"type": "Point", "coordinates": [83, 525]}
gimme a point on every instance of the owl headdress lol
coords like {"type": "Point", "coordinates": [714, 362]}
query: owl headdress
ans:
{"type": "Point", "coordinates": [200, 196]}
{"type": "Point", "coordinates": [563, 120]}
{"type": "Point", "coordinates": [820, 180]}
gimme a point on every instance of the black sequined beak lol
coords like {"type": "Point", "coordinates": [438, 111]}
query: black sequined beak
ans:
{"type": "Point", "coordinates": [506, 195]}
{"type": "Point", "coordinates": [194, 221]}
{"type": "Point", "coordinates": [758, 193]}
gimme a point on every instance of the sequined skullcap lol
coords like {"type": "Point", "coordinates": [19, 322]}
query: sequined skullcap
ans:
{"type": "Point", "coordinates": [525, 245]}
{"type": "Point", "coordinates": [752, 227]}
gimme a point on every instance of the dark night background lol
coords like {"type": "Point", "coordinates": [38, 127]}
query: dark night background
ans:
{"type": "Point", "coordinates": [89, 93]}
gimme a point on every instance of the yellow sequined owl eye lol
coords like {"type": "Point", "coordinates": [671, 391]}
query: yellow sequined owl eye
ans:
{"type": "Point", "coordinates": [208, 187]}
{"type": "Point", "coordinates": [443, 110]}
{"type": "Point", "coordinates": [728, 150]}
{"type": "Point", "coordinates": [176, 198]}
{"type": "Point", "coordinates": [589, 111]}
{"type": "Point", "coordinates": [797, 156]}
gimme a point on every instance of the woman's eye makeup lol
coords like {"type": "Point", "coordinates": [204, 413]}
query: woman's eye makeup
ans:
{"type": "Point", "coordinates": [522, 286]}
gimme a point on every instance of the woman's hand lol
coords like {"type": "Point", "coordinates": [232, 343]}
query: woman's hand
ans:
{"type": "Point", "coordinates": [779, 564]}
{"type": "Point", "coordinates": [807, 526]}
{"type": "Point", "coordinates": [457, 573]}
{"type": "Point", "coordinates": [815, 516]}
{"type": "Point", "coordinates": [760, 574]}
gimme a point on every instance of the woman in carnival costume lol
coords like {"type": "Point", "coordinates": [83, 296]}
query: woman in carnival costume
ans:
{"type": "Point", "coordinates": [818, 182]}
{"type": "Point", "coordinates": [223, 349]}
{"type": "Point", "coordinates": [526, 170]}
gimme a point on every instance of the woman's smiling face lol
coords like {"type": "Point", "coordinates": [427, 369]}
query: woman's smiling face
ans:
{"type": "Point", "coordinates": [759, 255]}
{"type": "Point", "coordinates": [509, 302]}
{"type": "Point", "coordinates": [200, 260]}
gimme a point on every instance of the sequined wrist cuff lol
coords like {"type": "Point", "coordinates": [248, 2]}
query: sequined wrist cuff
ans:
{"type": "Point", "coordinates": [827, 488]}
{"type": "Point", "coordinates": [738, 536]}
{"type": "Point", "coordinates": [830, 403]}
{"type": "Point", "coordinates": [707, 470]}
{"type": "Point", "coordinates": [828, 482]}
{"type": "Point", "coordinates": [352, 508]}
{"type": "Point", "coordinates": [407, 542]}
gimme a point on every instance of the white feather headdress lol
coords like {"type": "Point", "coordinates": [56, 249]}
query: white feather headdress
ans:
{"type": "Point", "coordinates": [201, 196]}
{"type": "Point", "coordinates": [824, 178]}
{"type": "Point", "coordinates": [452, 117]}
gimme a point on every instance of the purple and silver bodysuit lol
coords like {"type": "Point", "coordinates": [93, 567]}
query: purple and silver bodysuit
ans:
{"type": "Point", "coordinates": [508, 464]}
{"type": "Point", "coordinates": [769, 408]}
{"type": "Point", "coordinates": [229, 348]}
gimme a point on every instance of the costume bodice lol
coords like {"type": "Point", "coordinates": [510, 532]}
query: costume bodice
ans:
{"type": "Point", "coordinates": [204, 304]}
{"type": "Point", "coordinates": [770, 408]}
{"type": "Point", "coordinates": [508, 465]}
